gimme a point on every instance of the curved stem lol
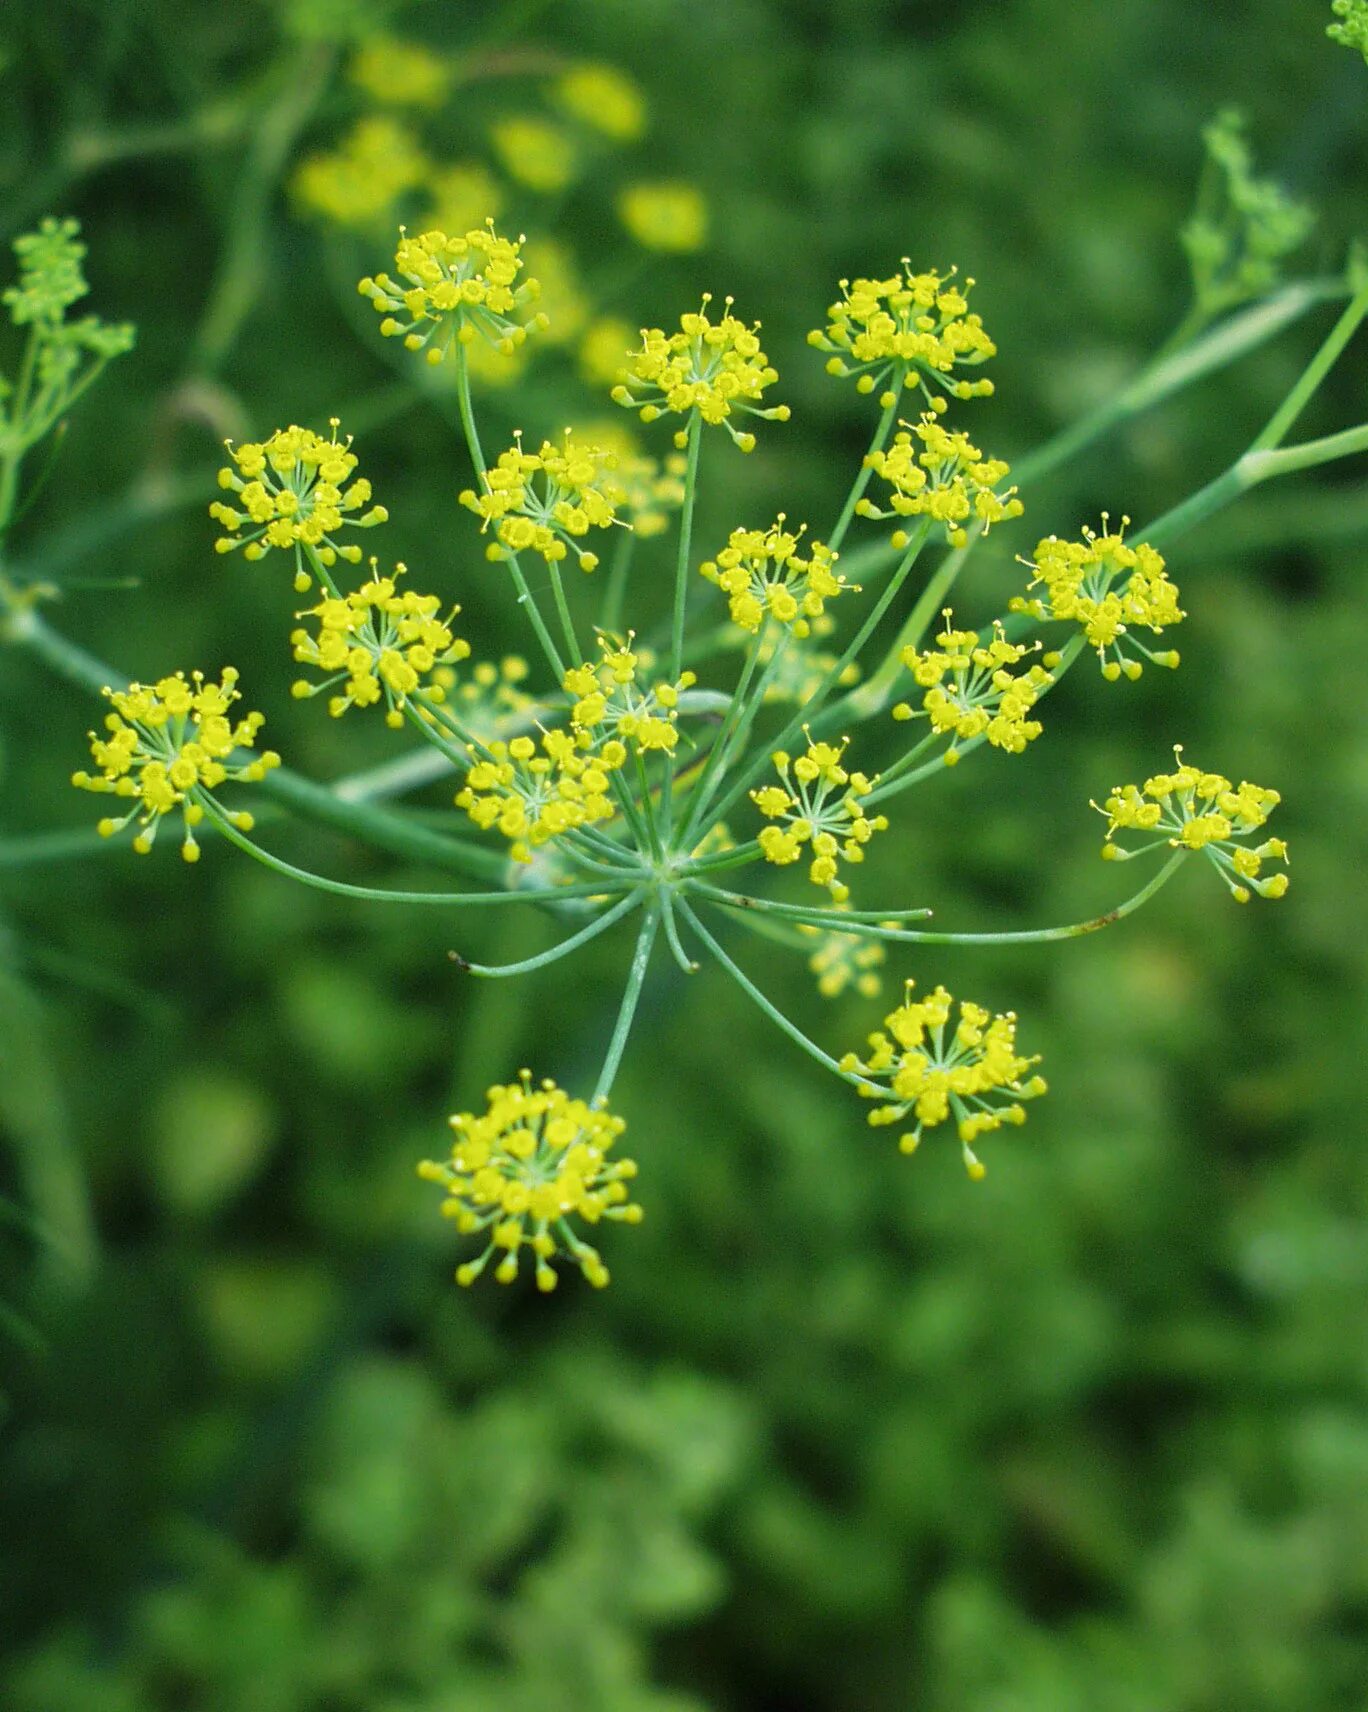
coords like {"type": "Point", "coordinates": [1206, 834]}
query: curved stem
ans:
{"type": "Point", "coordinates": [566, 946]}
{"type": "Point", "coordinates": [837, 920]}
{"type": "Point", "coordinates": [680, 955]}
{"type": "Point", "coordinates": [631, 998]}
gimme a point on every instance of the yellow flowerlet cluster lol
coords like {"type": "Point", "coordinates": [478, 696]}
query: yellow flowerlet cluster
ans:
{"type": "Point", "coordinates": [845, 960]}
{"type": "Point", "coordinates": [488, 700]}
{"type": "Point", "coordinates": [518, 1175]}
{"type": "Point", "coordinates": [459, 289]}
{"type": "Point", "coordinates": [357, 184]}
{"type": "Point", "coordinates": [800, 670]}
{"type": "Point", "coordinates": [1107, 588]}
{"type": "Point", "coordinates": [1190, 810]}
{"type": "Point", "coordinates": [609, 704]}
{"type": "Point", "coordinates": [463, 194]}
{"type": "Point", "coordinates": [399, 73]}
{"type": "Point", "coordinates": [535, 152]}
{"type": "Point", "coordinates": [763, 576]}
{"type": "Point", "coordinates": [668, 217]}
{"type": "Point", "coordinates": [378, 644]}
{"type": "Point", "coordinates": [534, 792]}
{"type": "Point", "coordinates": [817, 807]}
{"type": "Point", "coordinates": [292, 495]}
{"type": "Point", "coordinates": [933, 1071]}
{"type": "Point", "coordinates": [651, 489]}
{"type": "Point", "coordinates": [545, 502]}
{"type": "Point", "coordinates": [971, 690]}
{"type": "Point", "coordinates": [603, 98]}
{"type": "Point", "coordinates": [885, 330]}
{"type": "Point", "coordinates": [934, 473]}
{"type": "Point", "coordinates": [716, 368]}
{"type": "Point", "coordinates": [168, 745]}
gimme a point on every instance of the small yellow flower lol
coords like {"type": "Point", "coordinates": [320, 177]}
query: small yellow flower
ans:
{"type": "Point", "coordinates": [972, 692]}
{"type": "Point", "coordinates": [1191, 810]}
{"type": "Point", "coordinates": [934, 473]}
{"type": "Point", "coordinates": [295, 492]}
{"type": "Point", "coordinates": [400, 74]}
{"type": "Point", "coordinates": [608, 702]}
{"type": "Point", "coordinates": [488, 700]}
{"type": "Point", "coordinates": [763, 576]}
{"type": "Point", "coordinates": [535, 152]}
{"type": "Point", "coordinates": [923, 1067]}
{"type": "Point", "coordinates": [817, 810]}
{"type": "Point", "coordinates": [669, 217]}
{"type": "Point", "coordinates": [888, 331]}
{"type": "Point", "coordinates": [1107, 588]}
{"type": "Point", "coordinates": [715, 368]}
{"type": "Point", "coordinates": [532, 791]}
{"type": "Point", "coordinates": [379, 645]}
{"type": "Point", "coordinates": [521, 1172]}
{"type": "Point", "coordinates": [459, 289]}
{"type": "Point", "coordinates": [546, 502]}
{"type": "Point", "coordinates": [169, 746]}
{"type": "Point", "coordinates": [843, 961]}
{"type": "Point", "coordinates": [605, 350]}
{"type": "Point", "coordinates": [603, 98]}
{"type": "Point", "coordinates": [358, 184]}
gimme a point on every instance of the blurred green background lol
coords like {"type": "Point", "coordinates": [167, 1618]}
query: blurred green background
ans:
{"type": "Point", "coordinates": [846, 1432]}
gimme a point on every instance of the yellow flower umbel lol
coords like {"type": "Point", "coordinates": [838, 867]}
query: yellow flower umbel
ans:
{"type": "Point", "coordinates": [603, 98]}
{"type": "Point", "coordinates": [168, 747]}
{"type": "Point", "coordinates": [763, 576]}
{"type": "Point", "coordinates": [887, 331]}
{"type": "Point", "coordinates": [715, 368]}
{"type": "Point", "coordinates": [934, 473]}
{"type": "Point", "coordinates": [923, 1068]}
{"type": "Point", "coordinates": [357, 184]}
{"type": "Point", "coordinates": [534, 792]}
{"type": "Point", "coordinates": [971, 691]}
{"type": "Point", "coordinates": [459, 289]}
{"type": "Point", "coordinates": [292, 493]}
{"type": "Point", "coordinates": [488, 700]}
{"type": "Point", "coordinates": [818, 808]}
{"type": "Point", "coordinates": [1190, 810]}
{"type": "Point", "coordinates": [400, 74]}
{"type": "Point", "coordinates": [609, 704]}
{"type": "Point", "coordinates": [843, 961]}
{"type": "Point", "coordinates": [546, 502]}
{"type": "Point", "coordinates": [1107, 588]}
{"type": "Point", "coordinates": [519, 1174]}
{"type": "Point", "coordinates": [670, 218]}
{"type": "Point", "coordinates": [379, 644]}
{"type": "Point", "coordinates": [535, 152]}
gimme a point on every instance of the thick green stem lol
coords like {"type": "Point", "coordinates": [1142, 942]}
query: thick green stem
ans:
{"type": "Point", "coordinates": [631, 998]}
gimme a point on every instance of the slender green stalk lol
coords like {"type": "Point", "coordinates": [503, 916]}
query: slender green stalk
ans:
{"type": "Point", "coordinates": [615, 583]}
{"type": "Point", "coordinates": [564, 949]}
{"type": "Point", "coordinates": [477, 458]}
{"type": "Point", "coordinates": [698, 801]}
{"type": "Point", "coordinates": [677, 951]}
{"type": "Point", "coordinates": [631, 998]}
{"type": "Point", "coordinates": [861, 482]}
{"type": "Point", "coordinates": [813, 914]}
{"type": "Point", "coordinates": [563, 609]}
{"type": "Point", "coordinates": [776, 1016]}
{"type": "Point", "coordinates": [686, 517]}
{"type": "Point", "coordinates": [375, 894]}
{"type": "Point", "coordinates": [839, 922]}
{"type": "Point", "coordinates": [1315, 372]}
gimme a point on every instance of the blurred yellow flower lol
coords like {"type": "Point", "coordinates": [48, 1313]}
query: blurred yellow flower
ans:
{"type": "Point", "coordinates": [605, 98]}
{"type": "Point", "coordinates": [668, 216]}
{"type": "Point", "coordinates": [535, 152]}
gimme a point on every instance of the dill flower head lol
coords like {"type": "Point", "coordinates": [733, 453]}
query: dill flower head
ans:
{"type": "Point", "coordinates": [886, 331]}
{"type": "Point", "coordinates": [357, 184]}
{"type": "Point", "coordinates": [1191, 810]}
{"type": "Point", "coordinates": [535, 790]}
{"type": "Point", "coordinates": [295, 491]}
{"type": "Point", "coordinates": [923, 1067]}
{"type": "Point", "coordinates": [51, 279]}
{"type": "Point", "coordinates": [817, 810]}
{"type": "Point", "coordinates": [609, 703]}
{"type": "Point", "coordinates": [546, 502]}
{"type": "Point", "coordinates": [670, 217]}
{"type": "Point", "coordinates": [934, 473]}
{"type": "Point", "coordinates": [379, 645]}
{"type": "Point", "coordinates": [603, 98]}
{"type": "Point", "coordinates": [1352, 31]}
{"type": "Point", "coordinates": [845, 961]}
{"type": "Point", "coordinates": [168, 745]}
{"type": "Point", "coordinates": [1107, 588]}
{"type": "Point", "coordinates": [519, 1174]}
{"type": "Point", "coordinates": [763, 576]}
{"type": "Point", "coordinates": [488, 700]}
{"type": "Point", "coordinates": [459, 289]}
{"type": "Point", "coordinates": [535, 152]}
{"type": "Point", "coordinates": [716, 368]}
{"type": "Point", "coordinates": [400, 74]}
{"type": "Point", "coordinates": [971, 690]}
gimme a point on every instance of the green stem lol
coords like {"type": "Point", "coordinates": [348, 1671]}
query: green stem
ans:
{"type": "Point", "coordinates": [677, 951]}
{"type": "Point", "coordinates": [696, 803]}
{"type": "Point", "coordinates": [564, 949]}
{"type": "Point", "coordinates": [861, 482]}
{"type": "Point", "coordinates": [631, 998]}
{"type": "Point", "coordinates": [686, 517]}
{"type": "Point", "coordinates": [813, 914]}
{"type": "Point", "coordinates": [563, 608]}
{"type": "Point", "coordinates": [615, 587]}
{"type": "Point", "coordinates": [1316, 370]}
